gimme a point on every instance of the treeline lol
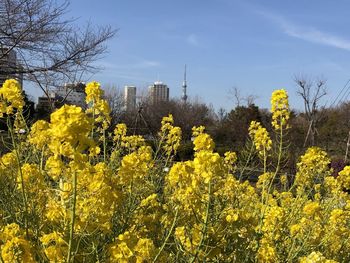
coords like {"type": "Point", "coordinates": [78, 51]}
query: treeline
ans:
{"type": "Point", "coordinates": [230, 129]}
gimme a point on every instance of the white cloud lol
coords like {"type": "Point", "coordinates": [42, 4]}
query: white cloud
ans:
{"type": "Point", "coordinates": [147, 64]}
{"type": "Point", "coordinates": [309, 34]}
{"type": "Point", "coordinates": [141, 64]}
{"type": "Point", "coordinates": [316, 36]}
{"type": "Point", "coordinates": [192, 39]}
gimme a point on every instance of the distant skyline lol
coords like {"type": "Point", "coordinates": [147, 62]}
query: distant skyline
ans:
{"type": "Point", "coordinates": [256, 46]}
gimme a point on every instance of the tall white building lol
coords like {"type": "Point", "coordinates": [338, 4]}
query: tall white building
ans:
{"type": "Point", "coordinates": [158, 92]}
{"type": "Point", "coordinates": [130, 98]}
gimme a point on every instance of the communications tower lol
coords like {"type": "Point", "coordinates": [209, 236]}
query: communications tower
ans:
{"type": "Point", "coordinates": [184, 88]}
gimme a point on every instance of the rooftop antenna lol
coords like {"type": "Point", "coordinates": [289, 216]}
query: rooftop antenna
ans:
{"type": "Point", "coordinates": [184, 88]}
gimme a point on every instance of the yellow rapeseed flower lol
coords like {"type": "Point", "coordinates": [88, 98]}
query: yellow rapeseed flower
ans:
{"type": "Point", "coordinates": [10, 97]}
{"type": "Point", "coordinates": [280, 109]}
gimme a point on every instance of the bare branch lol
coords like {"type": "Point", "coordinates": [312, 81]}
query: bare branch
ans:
{"type": "Point", "coordinates": [311, 91]}
{"type": "Point", "coordinates": [49, 48]}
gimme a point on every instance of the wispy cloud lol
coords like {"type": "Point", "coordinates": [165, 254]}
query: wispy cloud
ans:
{"type": "Point", "coordinates": [141, 64]}
{"type": "Point", "coordinates": [192, 39]}
{"type": "Point", "coordinates": [317, 36]}
{"type": "Point", "coordinates": [131, 72]}
{"type": "Point", "coordinates": [189, 38]}
{"type": "Point", "coordinates": [310, 34]}
{"type": "Point", "coordinates": [147, 64]}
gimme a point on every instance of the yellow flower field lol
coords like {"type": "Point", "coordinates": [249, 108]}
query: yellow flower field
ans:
{"type": "Point", "coordinates": [75, 189]}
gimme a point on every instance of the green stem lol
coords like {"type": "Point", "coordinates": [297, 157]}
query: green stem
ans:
{"type": "Point", "coordinates": [247, 162]}
{"type": "Point", "coordinates": [290, 251]}
{"type": "Point", "coordinates": [158, 147]}
{"type": "Point", "coordinates": [280, 149]}
{"type": "Point", "coordinates": [96, 251]}
{"type": "Point", "coordinates": [265, 160]}
{"type": "Point", "coordinates": [167, 237]}
{"type": "Point", "coordinates": [42, 158]}
{"type": "Point", "coordinates": [204, 231]}
{"type": "Point", "coordinates": [71, 233]}
{"type": "Point", "coordinates": [273, 177]}
{"type": "Point", "coordinates": [167, 160]}
{"type": "Point", "coordinates": [24, 196]}
{"type": "Point", "coordinates": [93, 119]}
{"type": "Point", "coordinates": [104, 146]}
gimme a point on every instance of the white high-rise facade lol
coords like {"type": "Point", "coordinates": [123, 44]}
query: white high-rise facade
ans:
{"type": "Point", "coordinates": [158, 92]}
{"type": "Point", "coordinates": [130, 97]}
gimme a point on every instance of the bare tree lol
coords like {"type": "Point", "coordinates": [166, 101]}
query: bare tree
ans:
{"type": "Point", "coordinates": [115, 99]}
{"type": "Point", "coordinates": [250, 99]}
{"type": "Point", "coordinates": [221, 114]}
{"type": "Point", "coordinates": [235, 94]}
{"type": "Point", "coordinates": [311, 91]}
{"type": "Point", "coordinates": [51, 50]}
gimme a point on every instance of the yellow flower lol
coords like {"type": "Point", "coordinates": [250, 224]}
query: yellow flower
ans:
{"type": "Point", "coordinates": [280, 109]}
{"type": "Point", "coordinates": [260, 137]}
{"type": "Point", "coordinates": [99, 107]}
{"type": "Point", "coordinates": [10, 97]}
{"type": "Point", "coordinates": [203, 142]}
{"type": "Point", "coordinates": [8, 160]}
{"type": "Point", "coordinates": [197, 130]}
{"type": "Point", "coordinates": [144, 250]}
{"type": "Point", "coordinates": [55, 247]}
{"type": "Point", "coordinates": [10, 231]}
{"type": "Point", "coordinates": [15, 248]}
{"type": "Point", "coordinates": [311, 208]}
{"type": "Point", "coordinates": [231, 216]}
{"type": "Point", "coordinates": [315, 257]}
{"type": "Point", "coordinates": [33, 179]}
{"type": "Point", "coordinates": [55, 212]}
{"type": "Point", "coordinates": [170, 135]}
{"type": "Point", "coordinates": [344, 177]}
{"type": "Point", "coordinates": [312, 168]}
{"type": "Point", "coordinates": [69, 131]}
{"type": "Point", "coordinates": [189, 238]}
{"type": "Point", "coordinates": [135, 165]}
{"type": "Point", "coordinates": [39, 135]}
{"type": "Point", "coordinates": [230, 160]}
{"type": "Point", "coordinates": [93, 92]}
{"type": "Point", "coordinates": [120, 132]}
{"type": "Point", "coordinates": [267, 251]}
{"type": "Point", "coordinates": [54, 166]}
{"type": "Point", "coordinates": [295, 229]}
{"type": "Point", "coordinates": [167, 120]}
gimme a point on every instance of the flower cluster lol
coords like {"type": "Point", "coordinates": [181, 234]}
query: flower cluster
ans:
{"type": "Point", "coordinates": [260, 137]}
{"type": "Point", "coordinates": [202, 140]}
{"type": "Point", "coordinates": [99, 107]}
{"type": "Point", "coordinates": [69, 131]}
{"type": "Point", "coordinates": [171, 135]}
{"type": "Point", "coordinates": [15, 248]}
{"type": "Point", "coordinates": [280, 109]}
{"type": "Point", "coordinates": [312, 168]}
{"type": "Point", "coordinates": [10, 97]}
{"type": "Point", "coordinates": [124, 142]}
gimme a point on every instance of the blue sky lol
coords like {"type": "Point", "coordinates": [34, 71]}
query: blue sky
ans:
{"type": "Point", "coordinates": [256, 46]}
